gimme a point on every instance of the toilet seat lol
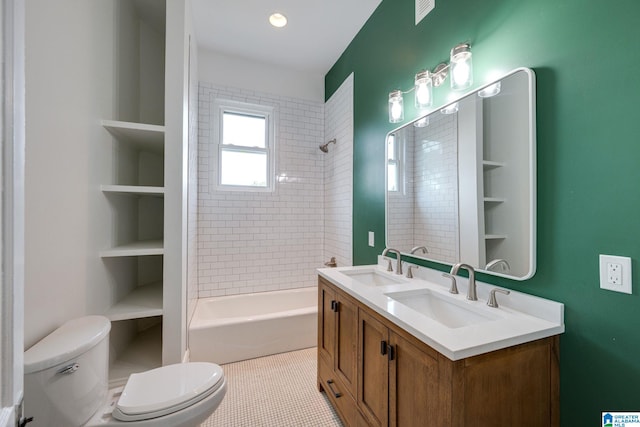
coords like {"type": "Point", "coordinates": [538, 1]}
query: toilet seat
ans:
{"type": "Point", "coordinates": [167, 389]}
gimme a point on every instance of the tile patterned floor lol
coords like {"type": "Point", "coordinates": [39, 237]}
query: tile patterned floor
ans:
{"type": "Point", "coordinates": [274, 391]}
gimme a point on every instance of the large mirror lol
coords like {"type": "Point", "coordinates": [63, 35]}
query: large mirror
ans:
{"type": "Point", "coordinates": [461, 180]}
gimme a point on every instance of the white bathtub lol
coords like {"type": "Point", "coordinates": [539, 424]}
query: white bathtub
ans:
{"type": "Point", "coordinates": [238, 327]}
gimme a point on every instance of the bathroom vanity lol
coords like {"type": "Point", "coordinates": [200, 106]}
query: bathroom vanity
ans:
{"type": "Point", "coordinates": [404, 352]}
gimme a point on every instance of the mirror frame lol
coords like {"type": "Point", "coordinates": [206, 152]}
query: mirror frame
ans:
{"type": "Point", "coordinates": [532, 188]}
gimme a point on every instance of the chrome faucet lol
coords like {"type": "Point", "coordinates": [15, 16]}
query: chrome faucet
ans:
{"type": "Point", "coordinates": [398, 259]}
{"type": "Point", "coordinates": [419, 248]}
{"type": "Point", "coordinates": [505, 265]}
{"type": "Point", "coordinates": [471, 292]}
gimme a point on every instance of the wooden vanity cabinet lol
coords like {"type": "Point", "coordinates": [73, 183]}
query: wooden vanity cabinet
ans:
{"type": "Point", "coordinates": [403, 382]}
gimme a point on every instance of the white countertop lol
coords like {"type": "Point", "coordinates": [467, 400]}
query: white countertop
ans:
{"type": "Point", "coordinates": [520, 317]}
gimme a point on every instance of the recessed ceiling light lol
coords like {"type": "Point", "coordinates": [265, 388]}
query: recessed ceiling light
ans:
{"type": "Point", "coordinates": [278, 20]}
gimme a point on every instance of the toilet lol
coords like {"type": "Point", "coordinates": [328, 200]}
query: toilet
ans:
{"type": "Point", "coordinates": [66, 384]}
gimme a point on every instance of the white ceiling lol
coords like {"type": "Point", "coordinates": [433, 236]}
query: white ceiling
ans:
{"type": "Point", "coordinates": [317, 33]}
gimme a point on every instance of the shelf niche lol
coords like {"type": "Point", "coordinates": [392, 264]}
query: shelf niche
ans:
{"type": "Point", "coordinates": [135, 346]}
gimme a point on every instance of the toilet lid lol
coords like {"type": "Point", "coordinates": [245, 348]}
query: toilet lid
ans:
{"type": "Point", "coordinates": [167, 389]}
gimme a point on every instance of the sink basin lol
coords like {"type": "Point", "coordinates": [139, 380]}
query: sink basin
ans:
{"type": "Point", "coordinates": [446, 311]}
{"type": "Point", "coordinates": [372, 277]}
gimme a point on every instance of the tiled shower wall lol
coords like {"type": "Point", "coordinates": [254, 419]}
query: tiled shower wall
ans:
{"type": "Point", "coordinates": [251, 241]}
{"type": "Point", "coordinates": [401, 203]}
{"type": "Point", "coordinates": [338, 175]}
{"type": "Point", "coordinates": [436, 188]}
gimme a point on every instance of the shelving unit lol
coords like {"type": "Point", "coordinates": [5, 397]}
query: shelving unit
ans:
{"type": "Point", "coordinates": [492, 204]}
{"type": "Point", "coordinates": [138, 347]}
{"type": "Point", "coordinates": [136, 193]}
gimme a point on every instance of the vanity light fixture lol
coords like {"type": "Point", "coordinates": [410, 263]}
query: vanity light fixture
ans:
{"type": "Point", "coordinates": [278, 20]}
{"type": "Point", "coordinates": [461, 67]}
{"type": "Point", "coordinates": [461, 70]}
{"type": "Point", "coordinates": [396, 107]}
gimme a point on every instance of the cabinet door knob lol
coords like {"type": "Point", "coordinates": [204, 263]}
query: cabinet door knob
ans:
{"type": "Point", "coordinates": [333, 305]}
{"type": "Point", "coordinates": [383, 347]}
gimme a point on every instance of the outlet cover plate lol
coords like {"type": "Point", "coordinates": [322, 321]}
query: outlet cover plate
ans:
{"type": "Point", "coordinates": [606, 262]}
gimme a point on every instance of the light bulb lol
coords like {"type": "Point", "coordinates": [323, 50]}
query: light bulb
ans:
{"type": "Point", "coordinates": [396, 109]}
{"type": "Point", "coordinates": [490, 91]}
{"type": "Point", "coordinates": [461, 67]}
{"type": "Point", "coordinates": [420, 123]}
{"type": "Point", "coordinates": [460, 74]}
{"type": "Point", "coordinates": [424, 90]}
{"type": "Point", "coordinates": [278, 20]}
{"type": "Point", "coordinates": [450, 109]}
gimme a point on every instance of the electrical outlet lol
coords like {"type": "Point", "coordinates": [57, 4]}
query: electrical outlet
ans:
{"type": "Point", "coordinates": [615, 273]}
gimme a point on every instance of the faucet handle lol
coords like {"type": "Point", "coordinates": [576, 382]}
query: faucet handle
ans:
{"type": "Point", "coordinates": [492, 301]}
{"type": "Point", "coordinates": [454, 286]}
{"type": "Point", "coordinates": [389, 265]}
{"type": "Point", "coordinates": [409, 273]}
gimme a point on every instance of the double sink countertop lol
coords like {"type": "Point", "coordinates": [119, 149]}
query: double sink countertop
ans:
{"type": "Point", "coordinates": [449, 323]}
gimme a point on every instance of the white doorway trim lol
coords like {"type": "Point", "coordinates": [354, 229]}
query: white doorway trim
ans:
{"type": "Point", "coordinates": [12, 130]}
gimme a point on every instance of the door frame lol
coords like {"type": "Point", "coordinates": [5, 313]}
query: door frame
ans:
{"type": "Point", "coordinates": [12, 129]}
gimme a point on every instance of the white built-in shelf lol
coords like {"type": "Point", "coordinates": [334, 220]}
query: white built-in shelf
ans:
{"type": "Point", "coordinates": [494, 199]}
{"type": "Point", "coordinates": [490, 164]}
{"type": "Point", "coordinates": [143, 301]}
{"type": "Point", "coordinates": [144, 136]}
{"type": "Point", "coordinates": [495, 236]}
{"type": "Point", "coordinates": [138, 190]}
{"type": "Point", "coordinates": [147, 247]}
{"type": "Point", "coordinates": [142, 354]}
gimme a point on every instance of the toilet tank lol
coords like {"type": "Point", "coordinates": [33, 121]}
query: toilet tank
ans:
{"type": "Point", "coordinates": [66, 374]}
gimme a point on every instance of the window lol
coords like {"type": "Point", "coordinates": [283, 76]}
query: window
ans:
{"type": "Point", "coordinates": [243, 138]}
{"type": "Point", "coordinates": [396, 158]}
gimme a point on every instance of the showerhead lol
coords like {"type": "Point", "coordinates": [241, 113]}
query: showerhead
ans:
{"type": "Point", "coordinates": [325, 147]}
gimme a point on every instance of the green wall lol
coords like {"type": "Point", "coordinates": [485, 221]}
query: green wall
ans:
{"type": "Point", "coordinates": [586, 58]}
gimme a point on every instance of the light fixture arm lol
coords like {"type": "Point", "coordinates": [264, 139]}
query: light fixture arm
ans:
{"type": "Point", "coordinates": [439, 74]}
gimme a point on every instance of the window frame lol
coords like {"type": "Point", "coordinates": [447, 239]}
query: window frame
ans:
{"type": "Point", "coordinates": [219, 108]}
{"type": "Point", "coordinates": [399, 155]}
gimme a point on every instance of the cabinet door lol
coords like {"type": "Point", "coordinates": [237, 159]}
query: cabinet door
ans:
{"type": "Point", "coordinates": [373, 369]}
{"type": "Point", "coordinates": [346, 342]}
{"type": "Point", "coordinates": [514, 386]}
{"type": "Point", "coordinates": [326, 322]}
{"type": "Point", "coordinates": [413, 385]}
